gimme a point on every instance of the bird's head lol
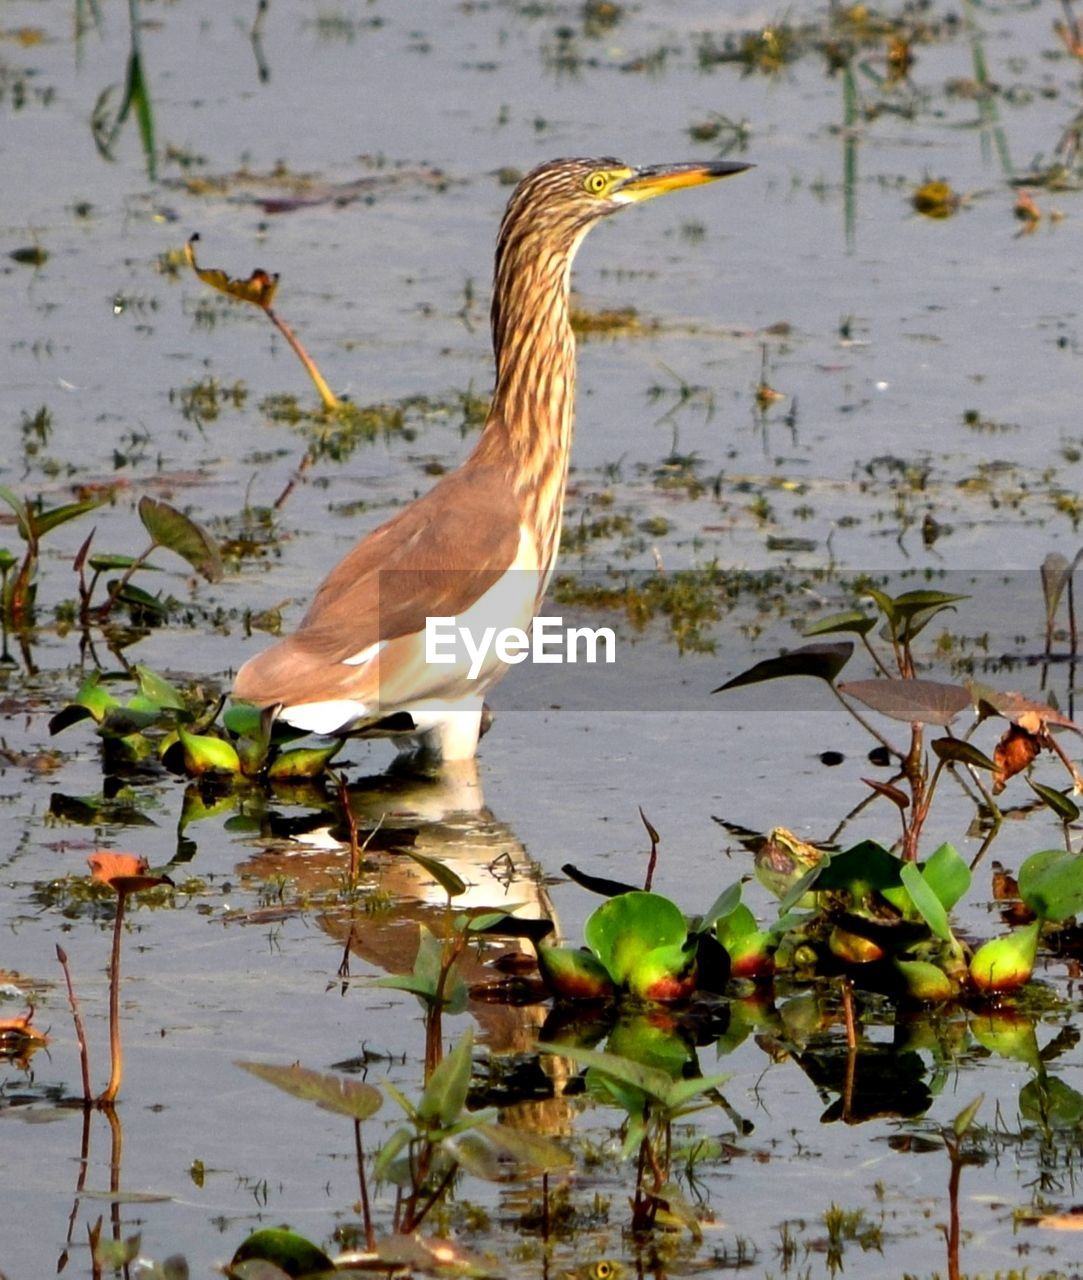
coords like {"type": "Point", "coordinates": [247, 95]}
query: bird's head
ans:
{"type": "Point", "coordinates": [550, 212]}
{"type": "Point", "coordinates": [563, 198]}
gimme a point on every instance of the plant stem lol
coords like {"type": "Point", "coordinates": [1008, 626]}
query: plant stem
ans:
{"type": "Point", "coordinates": [865, 724]}
{"type": "Point", "coordinates": [116, 1061]}
{"type": "Point", "coordinates": [370, 1235]}
{"type": "Point", "coordinates": [77, 1018]}
{"type": "Point", "coordinates": [114, 595]}
{"type": "Point", "coordinates": [433, 1199]}
{"type": "Point", "coordinates": [330, 400]}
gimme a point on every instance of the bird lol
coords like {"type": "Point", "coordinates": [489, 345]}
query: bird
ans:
{"type": "Point", "coordinates": [480, 546]}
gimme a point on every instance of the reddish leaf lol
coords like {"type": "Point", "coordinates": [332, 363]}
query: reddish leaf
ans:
{"type": "Point", "coordinates": [124, 872]}
{"type": "Point", "coordinates": [891, 793]}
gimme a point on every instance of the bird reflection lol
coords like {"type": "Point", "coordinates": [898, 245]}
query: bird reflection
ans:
{"type": "Point", "coordinates": [438, 815]}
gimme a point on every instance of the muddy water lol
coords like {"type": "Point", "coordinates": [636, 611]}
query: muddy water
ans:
{"type": "Point", "coordinates": [928, 368]}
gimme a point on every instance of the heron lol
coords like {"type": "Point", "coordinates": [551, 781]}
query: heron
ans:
{"type": "Point", "coordinates": [480, 546]}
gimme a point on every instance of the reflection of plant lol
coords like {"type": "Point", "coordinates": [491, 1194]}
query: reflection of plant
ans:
{"type": "Point", "coordinates": [436, 978]}
{"type": "Point", "coordinates": [653, 1098]}
{"type": "Point", "coordinates": [422, 1156]}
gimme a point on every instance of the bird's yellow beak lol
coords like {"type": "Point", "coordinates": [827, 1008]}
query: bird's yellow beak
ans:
{"type": "Point", "coordinates": [656, 179]}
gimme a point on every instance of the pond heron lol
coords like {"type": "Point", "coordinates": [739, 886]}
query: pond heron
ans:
{"type": "Point", "coordinates": [477, 550]}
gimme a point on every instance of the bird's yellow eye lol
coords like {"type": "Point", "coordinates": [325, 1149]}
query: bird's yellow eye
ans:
{"type": "Point", "coordinates": [603, 1270]}
{"type": "Point", "coordinates": [596, 182]}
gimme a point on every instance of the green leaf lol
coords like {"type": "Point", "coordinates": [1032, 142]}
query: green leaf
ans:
{"type": "Point", "coordinates": [1051, 1102]}
{"type": "Point", "coordinates": [43, 521]}
{"type": "Point", "coordinates": [1051, 884]}
{"type": "Point", "coordinates": [22, 511]}
{"type": "Point", "coordinates": [205, 754]}
{"type": "Point", "coordinates": [172, 529]}
{"type": "Point", "coordinates": [340, 1094]}
{"type": "Point", "coordinates": [925, 900]}
{"type": "Point", "coordinates": [884, 602]}
{"type": "Point", "coordinates": [139, 96]}
{"type": "Point", "coordinates": [916, 609]}
{"type": "Point", "coordinates": [1056, 573]}
{"type": "Point", "coordinates": [921, 701]}
{"type": "Point", "coordinates": [574, 974]}
{"type": "Point", "coordinates": [656, 1084]}
{"type": "Point", "coordinates": [800, 887]}
{"type": "Point", "coordinates": [624, 929]}
{"type": "Point", "coordinates": [925, 981]}
{"type": "Point", "coordinates": [67, 716]}
{"type": "Point", "coordinates": [909, 613]}
{"type": "Point", "coordinates": [962, 1122]}
{"type": "Point", "coordinates": [865, 863]}
{"type": "Point", "coordinates": [947, 874]}
{"type": "Point", "coordinates": [158, 690]}
{"type": "Point", "coordinates": [287, 1250]}
{"type": "Point", "coordinates": [383, 1168]}
{"type": "Point", "coordinates": [1004, 964]}
{"type": "Point", "coordinates": [138, 600]}
{"type": "Point", "coordinates": [499, 1153]}
{"type": "Point", "coordinates": [445, 1094]}
{"type": "Point", "coordinates": [1060, 802]}
{"type": "Point", "coordinates": [303, 762]}
{"type": "Point", "coordinates": [725, 904]}
{"type": "Point", "coordinates": [823, 661]}
{"type": "Point", "coordinates": [735, 926]}
{"type": "Point", "coordinates": [243, 719]}
{"type": "Point", "coordinates": [448, 879]}
{"type": "Point", "coordinates": [956, 751]}
{"type": "Point", "coordinates": [105, 561]}
{"type": "Point", "coordinates": [120, 722]}
{"type": "Point", "coordinates": [94, 696]}
{"type": "Point", "coordinates": [850, 620]}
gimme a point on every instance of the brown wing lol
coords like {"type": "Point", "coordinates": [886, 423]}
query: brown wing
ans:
{"type": "Point", "coordinates": [435, 558]}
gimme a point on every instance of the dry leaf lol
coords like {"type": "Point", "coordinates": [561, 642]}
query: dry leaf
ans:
{"type": "Point", "coordinates": [259, 288]}
{"type": "Point", "coordinates": [1013, 753]}
{"type": "Point", "coordinates": [1034, 717]}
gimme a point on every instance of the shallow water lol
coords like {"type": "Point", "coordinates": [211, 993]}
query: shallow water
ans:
{"type": "Point", "coordinates": [884, 331]}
